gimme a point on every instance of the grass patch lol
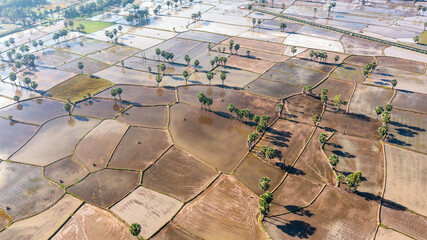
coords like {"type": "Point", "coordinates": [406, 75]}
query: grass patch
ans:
{"type": "Point", "coordinates": [91, 26]}
{"type": "Point", "coordinates": [78, 86]}
{"type": "Point", "coordinates": [423, 37]}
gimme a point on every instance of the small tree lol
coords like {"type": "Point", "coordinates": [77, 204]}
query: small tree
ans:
{"type": "Point", "coordinates": [353, 181]}
{"type": "Point", "coordinates": [416, 39]}
{"type": "Point", "coordinates": [267, 196]}
{"type": "Point", "coordinates": [253, 22]}
{"type": "Point", "coordinates": [383, 131]}
{"type": "Point", "coordinates": [237, 47]}
{"type": "Point", "coordinates": [67, 107]}
{"type": "Point", "coordinates": [252, 137]}
{"type": "Point", "coordinates": [231, 108]}
{"type": "Point", "coordinates": [201, 97]}
{"type": "Point", "coordinates": [279, 108]}
{"type": "Point", "coordinates": [322, 138]}
{"type": "Point", "coordinates": [209, 75]}
{"type": "Point", "coordinates": [338, 102]}
{"type": "Point", "coordinates": [113, 93]}
{"type": "Point", "coordinates": [223, 76]}
{"type": "Point", "coordinates": [270, 153]}
{"type": "Point", "coordinates": [388, 107]}
{"type": "Point", "coordinates": [282, 26]}
{"type": "Point", "coordinates": [135, 229]}
{"type": "Point", "coordinates": [263, 206]}
{"type": "Point", "coordinates": [185, 75]}
{"type": "Point", "coordinates": [159, 79]}
{"type": "Point", "coordinates": [158, 52]}
{"type": "Point", "coordinates": [334, 160]}
{"type": "Point", "coordinates": [16, 98]}
{"type": "Point", "coordinates": [385, 116]}
{"type": "Point", "coordinates": [336, 58]}
{"type": "Point", "coordinates": [80, 65]}
{"type": "Point", "coordinates": [196, 64]}
{"type": "Point", "coordinates": [393, 83]}
{"type": "Point", "coordinates": [293, 50]}
{"type": "Point", "coordinates": [379, 110]}
{"type": "Point", "coordinates": [339, 179]}
{"type": "Point", "coordinates": [187, 59]}
{"type": "Point", "coordinates": [307, 90]}
{"type": "Point", "coordinates": [264, 183]}
{"type": "Point", "coordinates": [315, 119]}
{"type": "Point", "coordinates": [10, 117]}
{"type": "Point", "coordinates": [119, 92]}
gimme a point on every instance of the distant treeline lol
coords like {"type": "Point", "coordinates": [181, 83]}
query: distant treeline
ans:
{"type": "Point", "coordinates": [16, 10]}
{"type": "Point", "coordinates": [88, 9]}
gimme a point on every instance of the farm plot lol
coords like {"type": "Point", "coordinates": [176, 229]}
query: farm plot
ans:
{"type": "Point", "coordinates": [177, 46]}
{"type": "Point", "coordinates": [330, 60]}
{"type": "Point", "coordinates": [264, 35]}
{"type": "Point", "coordinates": [201, 53]}
{"type": "Point", "coordinates": [302, 108]}
{"type": "Point", "coordinates": [388, 234]}
{"type": "Point", "coordinates": [405, 54]}
{"type": "Point", "coordinates": [202, 36]}
{"type": "Point", "coordinates": [351, 218]}
{"type": "Point", "coordinates": [171, 231]}
{"type": "Point", "coordinates": [236, 77]}
{"type": "Point", "coordinates": [120, 75]}
{"type": "Point", "coordinates": [249, 64]}
{"type": "Point", "coordinates": [262, 46]}
{"type": "Point", "coordinates": [366, 98]}
{"type": "Point", "coordinates": [382, 76]}
{"type": "Point", "coordinates": [150, 209]}
{"type": "Point", "coordinates": [45, 77]}
{"type": "Point", "coordinates": [359, 60]}
{"type": "Point", "coordinates": [351, 124]}
{"type": "Point", "coordinates": [6, 102]}
{"type": "Point", "coordinates": [313, 165]}
{"type": "Point", "coordinates": [139, 148]}
{"type": "Point", "coordinates": [271, 88]}
{"type": "Point", "coordinates": [357, 154]}
{"type": "Point", "coordinates": [114, 54]}
{"type": "Point", "coordinates": [106, 187]}
{"type": "Point", "coordinates": [225, 210]}
{"type": "Point", "coordinates": [355, 45]}
{"type": "Point", "coordinates": [143, 65]}
{"type": "Point", "coordinates": [107, 134]}
{"type": "Point", "coordinates": [222, 96]}
{"type": "Point", "coordinates": [296, 191]}
{"type": "Point", "coordinates": [179, 174]}
{"type": "Point", "coordinates": [402, 64]}
{"type": "Point", "coordinates": [349, 73]}
{"type": "Point", "coordinates": [79, 86]}
{"type": "Point", "coordinates": [317, 32]}
{"type": "Point", "coordinates": [66, 171]}
{"type": "Point", "coordinates": [90, 66]}
{"type": "Point", "coordinates": [168, 23]}
{"type": "Point", "coordinates": [99, 108]}
{"type": "Point", "coordinates": [152, 117]}
{"type": "Point", "coordinates": [29, 111]}
{"type": "Point", "coordinates": [4, 220]}
{"type": "Point", "coordinates": [313, 42]}
{"type": "Point", "coordinates": [85, 46]}
{"type": "Point", "coordinates": [219, 28]}
{"type": "Point", "coordinates": [410, 101]}
{"type": "Point", "coordinates": [153, 33]}
{"type": "Point", "coordinates": [92, 222]}
{"type": "Point", "coordinates": [13, 136]}
{"type": "Point", "coordinates": [208, 136]}
{"type": "Point", "coordinates": [405, 178]}
{"type": "Point", "coordinates": [335, 87]}
{"type": "Point", "coordinates": [24, 191]}
{"type": "Point", "coordinates": [143, 96]}
{"type": "Point", "coordinates": [138, 41]}
{"type": "Point", "coordinates": [288, 138]}
{"type": "Point", "coordinates": [53, 57]}
{"type": "Point", "coordinates": [55, 140]}
{"type": "Point", "coordinates": [43, 225]}
{"type": "Point", "coordinates": [408, 129]}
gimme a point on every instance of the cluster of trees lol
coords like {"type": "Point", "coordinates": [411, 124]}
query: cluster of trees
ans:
{"type": "Point", "coordinates": [421, 9]}
{"type": "Point", "coordinates": [331, 6]}
{"type": "Point", "coordinates": [268, 153]}
{"type": "Point", "coordinates": [319, 56]}
{"type": "Point", "coordinates": [368, 67]}
{"type": "Point", "coordinates": [90, 8]}
{"type": "Point", "coordinates": [255, 21]}
{"type": "Point", "coordinates": [139, 16]}
{"type": "Point", "coordinates": [166, 55]}
{"type": "Point", "coordinates": [232, 46]}
{"type": "Point", "coordinates": [196, 16]}
{"type": "Point", "coordinates": [204, 101]}
{"type": "Point", "coordinates": [60, 34]}
{"type": "Point", "coordinates": [265, 199]}
{"type": "Point", "coordinates": [21, 11]}
{"type": "Point", "coordinates": [246, 113]}
{"type": "Point", "coordinates": [217, 61]}
{"type": "Point", "coordinates": [116, 92]}
{"type": "Point", "coordinates": [113, 34]}
{"type": "Point", "coordinates": [385, 117]}
{"type": "Point", "coordinates": [27, 81]}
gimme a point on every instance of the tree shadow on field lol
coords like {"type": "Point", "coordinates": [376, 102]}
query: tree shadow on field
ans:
{"type": "Point", "coordinates": [296, 228]}
{"type": "Point", "coordinates": [291, 170]}
{"type": "Point", "coordinates": [299, 211]}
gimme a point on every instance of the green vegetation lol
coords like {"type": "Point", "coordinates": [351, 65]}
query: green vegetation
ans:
{"type": "Point", "coordinates": [322, 138]}
{"type": "Point", "coordinates": [135, 229]}
{"type": "Point", "coordinates": [333, 160]}
{"type": "Point", "coordinates": [92, 26]}
{"type": "Point", "coordinates": [353, 181]}
{"type": "Point", "coordinates": [423, 37]}
{"type": "Point", "coordinates": [77, 86]}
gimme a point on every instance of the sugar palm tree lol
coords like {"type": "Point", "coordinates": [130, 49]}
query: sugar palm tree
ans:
{"type": "Point", "coordinates": [135, 229]}
{"type": "Point", "coordinates": [80, 65]}
{"type": "Point", "coordinates": [159, 79]}
{"type": "Point", "coordinates": [119, 92]}
{"type": "Point", "coordinates": [67, 107]}
{"type": "Point", "coordinates": [113, 93]}
{"type": "Point", "coordinates": [264, 183]}
{"type": "Point", "coordinates": [185, 75]}
{"type": "Point", "coordinates": [196, 64]}
{"type": "Point", "coordinates": [223, 76]}
{"type": "Point", "coordinates": [209, 75]}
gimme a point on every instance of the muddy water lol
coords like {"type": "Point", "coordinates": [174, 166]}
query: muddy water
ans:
{"type": "Point", "coordinates": [13, 136]}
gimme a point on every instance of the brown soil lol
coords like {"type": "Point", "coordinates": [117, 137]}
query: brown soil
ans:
{"type": "Point", "coordinates": [411, 101]}
{"type": "Point", "coordinates": [100, 108]}
{"type": "Point", "coordinates": [348, 72]}
{"type": "Point", "coordinates": [256, 54]}
{"type": "Point", "coordinates": [302, 108]}
{"type": "Point", "coordinates": [335, 87]}
{"type": "Point", "coordinates": [90, 66]}
{"type": "Point", "coordinates": [359, 60]}
{"type": "Point", "coordinates": [139, 148]}
{"type": "Point", "coordinates": [366, 98]}
{"type": "Point", "coordinates": [312, 163]}
{"type": "Point", "coordinates": [252, 169]}
{"type": "Point", "coordinates": [172, 232]}
{"type": "Point", "coordinates": [222, 96]}
{"type": "Point", "coordinates": [404, 221]}
{"type": "Point", "coordinates": [179, 174]}
{"type": "Point", "coordinates": [208, 136]}
{"type": "Point", "coordinates": [355, 45]}
{"type": "Point", "coordinates": [402, 64]}
{"type": "Point", "coordinates": [105, 187]}
{"type": "Point", "coordinates": [336, 214]}
{"type": "Point", "coordinates": [139, 96]}
{"type": "Point", "coordinates": [90, 222]}
{"type": "Point", "coordinates": [4, 220]}
{"type": "Point", "coordinates": [225, 210]}
{"type": "Point", "coordinates": [257, 45]}
{"type": "Point", "coordinates": [249, 64]}
{"type": "Point", "coordinates": [152, 117]}
{"type": "Point", "coordinates": [107, 134]}
{"type": "Point", "coordinates": [296, 191]}
{"type": "Point", "coordinates": [272, 88]}
{"type": "Point", "coordinates": [288, 138]}
{"type": "Point", "coordinates": [66, 171]}
{"type": "Point", "coordinates": [351, 124]}
{"type": "Point", "coordinates": [359, 154]}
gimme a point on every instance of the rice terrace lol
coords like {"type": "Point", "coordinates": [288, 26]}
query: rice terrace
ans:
{"type": "Point", "coordinates": [213, 119]}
